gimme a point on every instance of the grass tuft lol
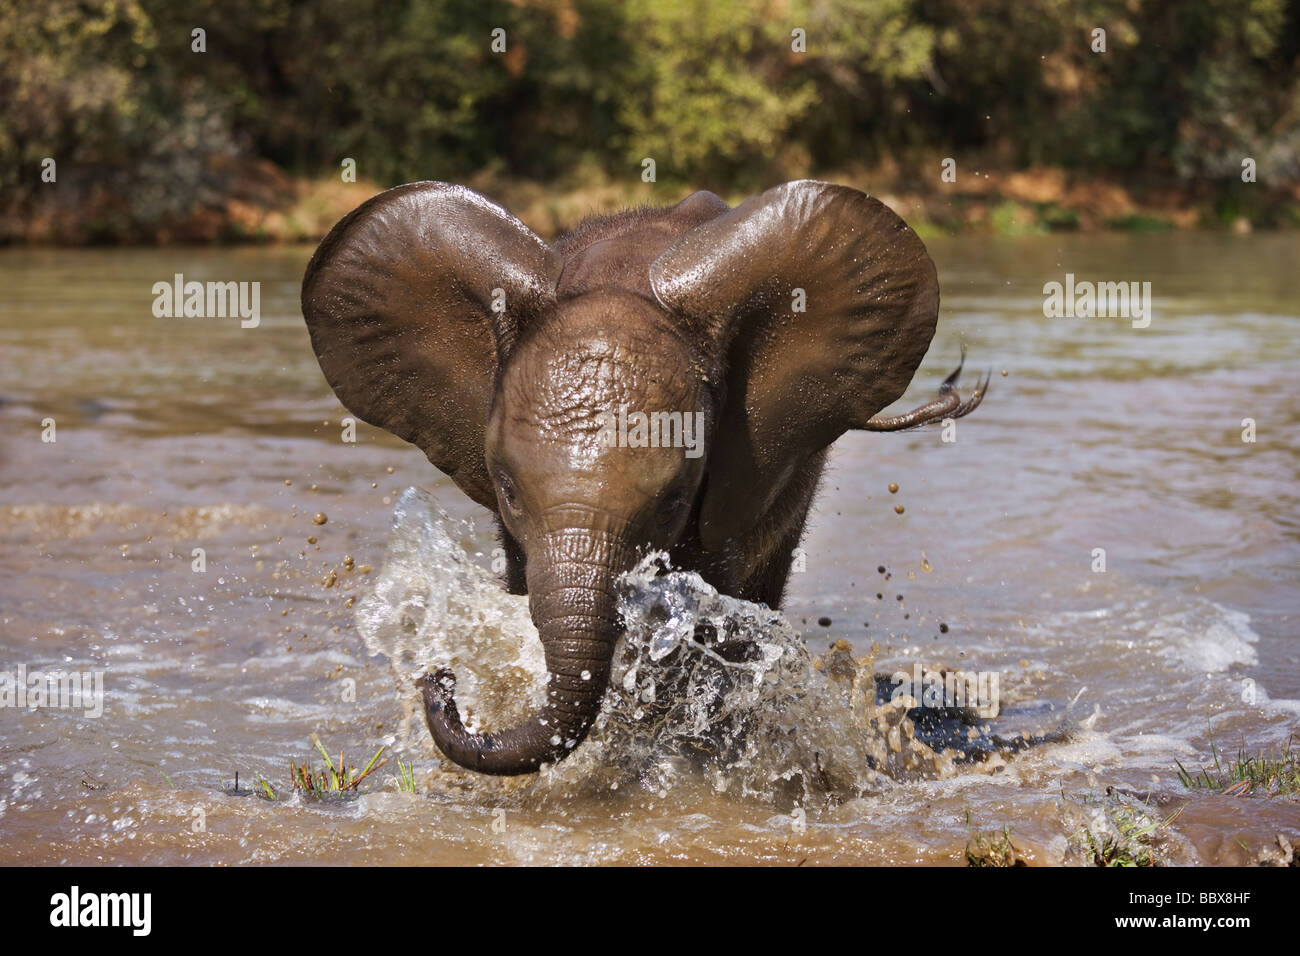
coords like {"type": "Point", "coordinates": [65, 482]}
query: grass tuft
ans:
{"type": "Point", "coordinates": [1247, 773]}
{"type": "Point", "coordinates": [1130, 843]}
{"type": "Point", "coordinates": [405, 778]}
{"type": "Point", "coordinates": [333, 778]}
{"type": "Point", "coordinates": [265, 789]}
{"type": "Point", "coordinates": [991, 849]}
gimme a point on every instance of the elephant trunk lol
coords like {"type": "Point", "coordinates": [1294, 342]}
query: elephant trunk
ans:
{"type": "Point", "coordinates": [573, 604]}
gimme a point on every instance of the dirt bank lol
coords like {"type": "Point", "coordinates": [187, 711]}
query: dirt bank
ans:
{"type": "Point", "coordinates": [255, 201]}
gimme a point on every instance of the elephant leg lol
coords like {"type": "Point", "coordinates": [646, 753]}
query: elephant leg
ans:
{"type": "Point", "coordinates": [766, 585]}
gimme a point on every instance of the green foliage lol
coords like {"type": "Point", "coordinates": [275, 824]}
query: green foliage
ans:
{"type": "Point", "coordinates": [1136, 222]}
{"type": "Point", "coordinates": [145, 129]}
{"type": "Point", "coordinates": [1011, 219]}
{"type": "Point", "coordinates": [1058, 218]}
{"type": "Point", "coordinates": [708, 86]}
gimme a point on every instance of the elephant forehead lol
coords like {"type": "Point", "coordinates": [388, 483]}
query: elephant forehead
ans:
{"type": "Point", "coordinates": [574, 386]}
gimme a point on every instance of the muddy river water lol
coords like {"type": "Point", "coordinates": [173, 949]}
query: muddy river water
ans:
{"type": "Point", "coordinates": [1098, 538]}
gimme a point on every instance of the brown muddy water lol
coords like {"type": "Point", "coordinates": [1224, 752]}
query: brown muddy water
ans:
{"type": "Point", "coordinates": [181, 434]}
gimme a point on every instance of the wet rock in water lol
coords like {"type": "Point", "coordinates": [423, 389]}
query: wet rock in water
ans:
{"type": "Point", "coordinates": [319, 518]}
{"type": "Point", "coordinates": [881, 569]}
{"type": "Point", "coordinates": [943, 628]}
{"type": "Point", "coordinates": [824, 621]}
{"type": "Point", "coordinates": [1284, 855]}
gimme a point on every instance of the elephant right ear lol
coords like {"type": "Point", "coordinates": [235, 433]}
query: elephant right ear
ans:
{"type": "Point", "coordinates": [412, 300]}
{"type": "Point", "coordinates": [824, 303]}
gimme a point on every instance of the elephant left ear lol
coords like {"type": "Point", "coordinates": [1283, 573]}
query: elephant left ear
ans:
{"type": "Point", "coordinates": [824, 303]}
{"type": "Point", "coordinates": [413, 300]}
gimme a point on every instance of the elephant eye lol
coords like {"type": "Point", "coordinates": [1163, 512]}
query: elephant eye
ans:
{"type": "Point", "coordinates": [509, 497]}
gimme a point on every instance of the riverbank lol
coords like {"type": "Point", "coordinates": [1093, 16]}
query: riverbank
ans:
{"type": "Point", "coordinates": [256, 202]}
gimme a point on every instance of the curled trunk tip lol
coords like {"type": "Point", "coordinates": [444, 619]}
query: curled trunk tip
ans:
{"type": "Point", "coordinates": [521, 749]}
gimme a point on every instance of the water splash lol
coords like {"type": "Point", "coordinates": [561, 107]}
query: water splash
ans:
{"type": "Point", "coordinates": [704, 686]}
{"type": "Point", "coordinates": [435, 605]}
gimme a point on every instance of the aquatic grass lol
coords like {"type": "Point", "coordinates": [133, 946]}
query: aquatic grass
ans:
{"type": "Point", "coordinates": [991, 849]}
{"type": "Point", "coordinates": [1248, 773]}
{"type": "Point", "coordinates": [1130, 844]}
{"type": "Point", "coordinates": [1118, 829]}
{"type": "Point", "coordinates": [1127, 848]}
{"type": "Point", "coordinates": [265, 789]}
{"type": "Point", "coordinates": [405, 779]}
{"type": "Point", "coordinates": [332, 779]}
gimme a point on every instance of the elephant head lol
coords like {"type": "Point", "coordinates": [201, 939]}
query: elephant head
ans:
{"type": "Point", "coordinates": [774, 327]}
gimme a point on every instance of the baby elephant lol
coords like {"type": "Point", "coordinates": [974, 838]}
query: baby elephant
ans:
{"type": "Point", "coordinates": [661, 378]}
